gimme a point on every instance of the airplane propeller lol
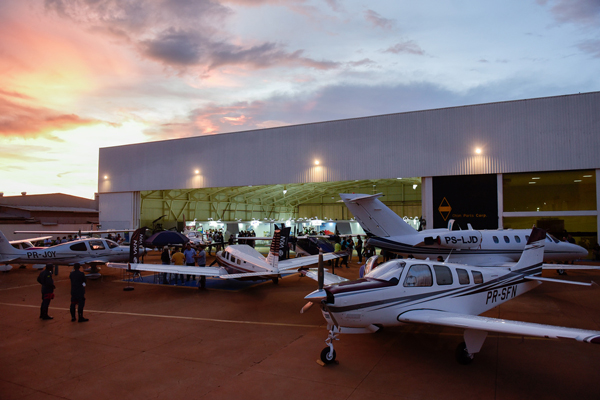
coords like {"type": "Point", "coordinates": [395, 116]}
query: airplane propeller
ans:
{"type": "Point", "coordinates": [320, 280]}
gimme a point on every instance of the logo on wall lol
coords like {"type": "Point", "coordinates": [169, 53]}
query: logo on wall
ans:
{"type": "Point", "coordinates": [445, 209]}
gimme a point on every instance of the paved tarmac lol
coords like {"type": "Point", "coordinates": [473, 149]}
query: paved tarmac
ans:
{"type": "Point", "coordinates": [165, 342]}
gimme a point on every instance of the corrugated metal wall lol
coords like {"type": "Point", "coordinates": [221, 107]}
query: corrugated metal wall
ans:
{"type": "Point", "coordinates": [554, 133]}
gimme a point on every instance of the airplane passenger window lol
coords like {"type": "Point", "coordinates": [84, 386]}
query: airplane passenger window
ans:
{"type": "Point", "coordinates": [517, 239]}
{"type": "Point", "coordinates": [390, 271]}
{"type": "Point", "coordinates": [495, 239]}
{"type": "Point", "coordinates": [463, 276]}
{"type": "Point", "coordinates": [232, 258]}
{"type": "Point", "coordinates": [78, 246]}
{"type": "Point", "coordinates": [419, 275]}
{"type": "Point", "coordinates": [443, 276]}
{"type": "Point", "coordinates": [96, 245]}
{"type": "Point", "coordinates": [506, 239]}
{"type": "Point", "coordinates": [238, 261]}
{"type": "Point", "coordinates": [477, 277]}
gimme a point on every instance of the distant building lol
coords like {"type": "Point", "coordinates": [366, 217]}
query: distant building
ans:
{"type": "Point", "coordinates": [46, 212]}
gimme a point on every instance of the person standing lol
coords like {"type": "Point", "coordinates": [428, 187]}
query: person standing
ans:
{"type": "Point", "coordinates": [359, 249]}
{"type": "Point", "coordinates": [350, 244]}
{"type": "Point", "coordinates": [45, 279]}
{"type": "Point", "coordinates": [190, 258]}
{"type": "Point", "coordinates": [77, 292]}
{"type": "Point", "coordinates": [178, 259]}
{"type": "Point", "coordinates": [201, 260]}
{"type": "Point", "coordinates": [165, 258]}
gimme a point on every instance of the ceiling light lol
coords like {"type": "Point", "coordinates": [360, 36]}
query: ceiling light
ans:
{"type": "Point", "coordinates": [478, 150]}
{"type": "Point", "coordinates": [317, 162]}
{"type": "Point", "coordinates": [415, 186]}
{"type": "Point", "coordinates": [197, 171]}
{"type": "Point", "coordinates": [577, 180]}
{"type": "Point", "coordinates": [532, 183]}
{"type": "Point", "coordinates": [536, 177]}
{"type": "Point", "coordinates": [587, 176]}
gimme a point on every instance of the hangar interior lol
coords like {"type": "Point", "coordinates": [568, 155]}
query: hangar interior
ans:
{"type": "Point", "coordinates": [274, 203]}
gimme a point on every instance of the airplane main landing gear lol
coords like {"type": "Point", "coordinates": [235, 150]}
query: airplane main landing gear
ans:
{"type": "Point", "coordinates": [462, 355]}
{"type": "Point", "coordinates": [328, 353]}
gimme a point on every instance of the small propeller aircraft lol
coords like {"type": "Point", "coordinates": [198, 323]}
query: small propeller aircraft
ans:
{"type": "Point", "coordinates": [240, 261]}
{"type": "Point", "coordinates": [91, 251]}
{"type": "Point", "coordinates": [424, 292]}
{"type": "Point", "coordinates": [386, 230]}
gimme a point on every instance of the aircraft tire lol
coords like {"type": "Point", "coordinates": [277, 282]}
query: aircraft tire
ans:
{"type": "Point", "coordinates": [462, 356]}
{"type": "Point", "coordinates": [326, 357]}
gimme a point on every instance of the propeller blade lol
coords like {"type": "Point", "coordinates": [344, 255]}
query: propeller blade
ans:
{"type": "Point", "coordinates": [306, 307]}
{"type": "Point", "coordinates": [321, 270]}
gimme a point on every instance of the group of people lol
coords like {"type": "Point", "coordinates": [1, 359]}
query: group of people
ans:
{"type": "Point", "coordinates": [78, 283]}
{"type": "Point", "coordinates": [190, 257]}
{"type": "Point", "coordinates": [348, 245]}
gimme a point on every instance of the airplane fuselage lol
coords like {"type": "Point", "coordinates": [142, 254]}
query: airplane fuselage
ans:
{"type": "Point", "coordinates": [398, 286]}
{"type": "Point", "coordinates": [475, 246]}
{"type": "Point", "coordinates": [78, 251]}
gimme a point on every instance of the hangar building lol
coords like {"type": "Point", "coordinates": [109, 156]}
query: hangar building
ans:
{"type": "Point", "coordinates": [500, 165]}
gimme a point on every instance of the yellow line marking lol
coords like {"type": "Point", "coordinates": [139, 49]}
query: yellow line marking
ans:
{"type": "Point", "coordinates": [175, 317]}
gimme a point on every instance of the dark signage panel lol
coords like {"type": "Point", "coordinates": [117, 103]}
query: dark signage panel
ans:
{"type": "Point", "coordinates": [466, 199]}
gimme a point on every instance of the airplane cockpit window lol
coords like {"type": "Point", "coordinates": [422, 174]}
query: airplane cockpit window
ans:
{"type": "Point", "coordinates": [495, 239]}
{"type": "Point", "coordinates": [418, 275]}
{"type": "Point", "coordinates": [443, 276]}
{"type": "Point", "coordinates": [463, 276]}
{"type": "Point", "coordinates": [111, 244]}
{"type": "Point", "coordinates": [96, 245]}
{"type": "Point", "coordinates": [80, 246]}
{"type": "Point", "coordinates": [552, 238]}
{"type": "Point", "coordinates": [527, 237]}
{"type": "Point", "coordinates": [390, 271]}
{"type": "Point", "coordinates": [517, 239]}
{"type": "Point", "coordinates": [506, 239]}
{"type": "Point", "coordinates": [477, 277]}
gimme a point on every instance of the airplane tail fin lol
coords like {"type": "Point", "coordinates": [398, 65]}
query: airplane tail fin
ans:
{"type": "Point", "coordinates": [7, 252]}
{"type": "Point", "coordinates": [375, 217]}
{"type": "Point", "coordinates": [533, 256]}
{"type": "Point", "coordinates": [273, 257]}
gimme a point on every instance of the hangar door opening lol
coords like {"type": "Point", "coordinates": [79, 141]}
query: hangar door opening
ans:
{"type": "Point", "coordinates": [273, 203]}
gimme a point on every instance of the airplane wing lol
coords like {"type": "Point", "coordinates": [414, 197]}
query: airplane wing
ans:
{"type": "Point", "coordinates": [328, 277]}
{"type": "Point", "coordinates": [295, 263]}
{"type": "Point", "coordinates": [173, 269]}
{"type": "Point", "coordinates": [35, 239]}
{"type": "Point", "coordinates": [475, 322]}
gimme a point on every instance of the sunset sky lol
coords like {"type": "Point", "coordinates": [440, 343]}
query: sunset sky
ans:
{"type": "Point", "coordinates": [78, 75]}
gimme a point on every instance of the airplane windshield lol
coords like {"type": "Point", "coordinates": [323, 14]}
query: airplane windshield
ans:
{"type": "Point", "coordinates": [555, 240]}
{"type": "Point", "coordinates": [388, 271]}
{"type": "Point", "coordinates": [111, 244]}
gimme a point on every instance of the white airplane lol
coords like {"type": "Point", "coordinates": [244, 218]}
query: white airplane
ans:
{"type": "Point", "coordinates": [386, 230]}
{"type": "Point", "coordinates": [414, 291]}
{"type": "Point", "coordinates": [239, 261]}
{"type": "Point", "coordinates": [91, 251]}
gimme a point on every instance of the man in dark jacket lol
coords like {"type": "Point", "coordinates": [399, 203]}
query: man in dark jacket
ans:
{"type": "Point", "coordinates": [45, 279]}
{"type": "Point", "coordinates": [77, 292]}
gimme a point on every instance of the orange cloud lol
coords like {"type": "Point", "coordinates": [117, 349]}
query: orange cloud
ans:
{"type": "Point", "coordinates": [31, 122]}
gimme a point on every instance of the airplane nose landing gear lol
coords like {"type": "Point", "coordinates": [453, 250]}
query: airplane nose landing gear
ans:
{"type": "Point", "coordinates": [328, 353]}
